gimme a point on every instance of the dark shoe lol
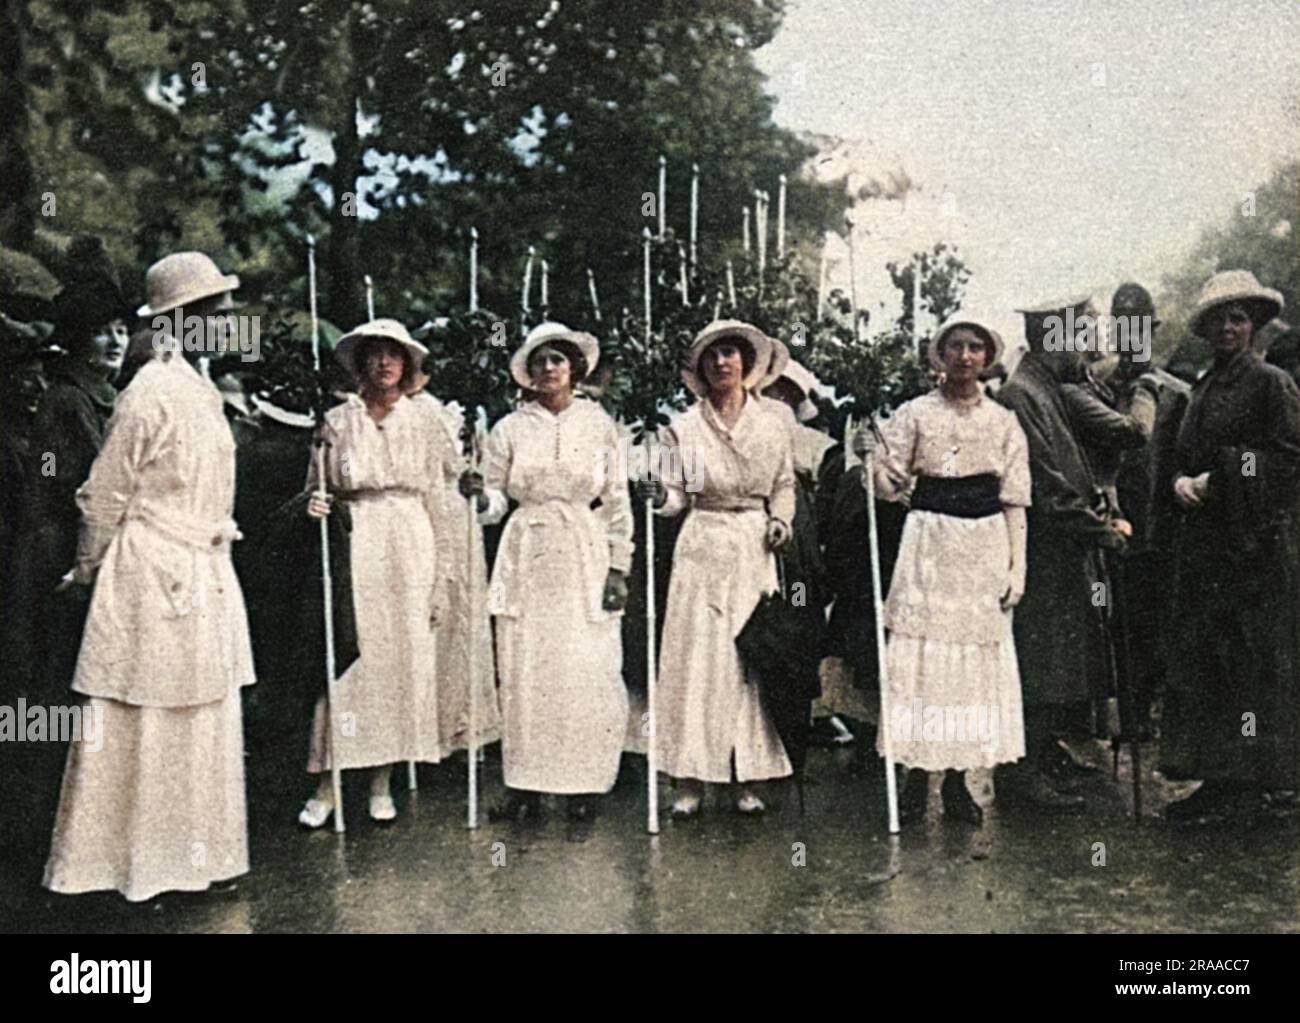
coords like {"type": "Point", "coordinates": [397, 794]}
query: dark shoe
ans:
{"type": "Point", "coordinates": [915, 797]}
{"type": "Point", "coordinates": [958, 804]}
{"type": "Point", "coordinates": [518, 805]}
{"type": "Point", "coordinates": [1212, 799]}
{"type": "Point", "coordinates": [1061, 765]}
{"type": "Point", "coordinates": [1030, 789]}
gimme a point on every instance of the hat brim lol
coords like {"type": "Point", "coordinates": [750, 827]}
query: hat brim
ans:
{"type": "Point", "coordinates": [759, 343]}
{"type": "Point", "coordinates": [228, 282]}
{"type": "Point", "coordinates": [413, 379]}
{"type": "Point", "coordinates": [1264, 296]}
{"type": "Point", "coordinates": [935, 356]}
{"type": "Point", "coordinates": [777, 365]}
{"type": "Point", "coordinates": [586, 344]}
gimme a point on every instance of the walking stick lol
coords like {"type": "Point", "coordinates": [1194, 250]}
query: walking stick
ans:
{"type": "Point", "coordinates": [652, 757]}
{"type": "Point", "coordinates": [878, 603]}
{"type": "Point", "coordinates": [327, 582]}
{"type": "Point", "coordinates": [471, 747]}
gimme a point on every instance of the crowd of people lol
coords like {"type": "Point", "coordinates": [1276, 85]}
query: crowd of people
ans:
{"type": "Point", "coordinates": [1050, 546]}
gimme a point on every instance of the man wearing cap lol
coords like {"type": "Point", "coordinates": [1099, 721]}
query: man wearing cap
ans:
{"type": "Point", "coordinates": [1232, 711]}
{"type": "Point", "coordinates": [154, 801]}
{"type": "Point", "coordinates": [1058, 629]}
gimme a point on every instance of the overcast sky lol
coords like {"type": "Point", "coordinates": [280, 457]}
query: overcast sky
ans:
{"type": "Point", "coordinates": [1080, 143]}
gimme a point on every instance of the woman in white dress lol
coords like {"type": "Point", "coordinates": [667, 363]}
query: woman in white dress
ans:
{"type": "Point", "coordinates": [732, 473]}
{"type": "Point", "coordinates": [153, 791]}
{"type": "Point", "coordinates": [560, 579]}
{"type": "Point", "coordinates": [466, 620]}
{"type": "Point", "coordinates": [961, 462]}
{"type": "Point", "coordinates": [385, 456]}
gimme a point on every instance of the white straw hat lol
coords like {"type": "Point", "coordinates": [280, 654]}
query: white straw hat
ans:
{"type": "Point", "coordinates": [759, 343]}
{"type": "Point", "coordinates": [776, 365]}
{"type": "Point", "coordinates": [1233, 286]}
{"type": "Point", "coordinates": [545, 333]}
{"type": "Point", "coordinates": [978, 325]}
{"type": "Point", "coordinates": [389, 330]}
{"type": "Point", "coordinates": [182, 278]}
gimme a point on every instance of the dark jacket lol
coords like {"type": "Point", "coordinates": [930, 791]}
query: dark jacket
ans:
{"type": "Point", "coordinates": [1058, 627]}
{"type": "Point", "coordinates": [1233, 706]}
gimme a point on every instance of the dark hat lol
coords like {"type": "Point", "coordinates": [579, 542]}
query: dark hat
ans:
{"type": "Point", "coordinates": [22, 342]}
{"type": "Point", "coordinates": [92, 295]}
{"type": "Point", "coordinates": [27, 288]}
{"type": "Point", "coordinates": [1131, 299]}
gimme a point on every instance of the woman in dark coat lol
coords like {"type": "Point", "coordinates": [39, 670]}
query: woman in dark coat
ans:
{"type": "Point", "coordinates": [1232, 713]}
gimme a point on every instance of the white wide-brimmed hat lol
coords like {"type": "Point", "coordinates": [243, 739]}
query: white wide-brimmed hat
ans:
{"type": "Point", "coordinates": [388, 330]}
{"type": "Point", "coordinates": [545, 333]}
{"type": "Point", "coordinates": [1233, 286]}
{"type": "Point", "coordinates": [759, 343]}
{"type": "Point", "coordinates": [283, 416]}
{"type": "Point", "coordinates": [182, 278]}
{"type": "Point", "coordinates": [776, 365]}
{"type": "Point", "coordinates": [976, 324]}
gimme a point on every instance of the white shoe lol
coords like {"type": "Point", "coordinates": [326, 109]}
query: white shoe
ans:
{"type": "Point", "coordinates": [316, 812]}
{"type": "Point", "coordinates": [382, 808]}
{"type": "Point", "coordinates": [750, 803]}
{"type": "Point", "coordinates": [686, 806]}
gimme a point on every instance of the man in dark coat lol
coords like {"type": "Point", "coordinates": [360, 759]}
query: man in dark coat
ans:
{"type": "Point", "coordinates": [1232, 713]}
{"type": "Point", "coordinates": [1144, 489]}
{"type": "Point", "coordinates": [1058, 627]}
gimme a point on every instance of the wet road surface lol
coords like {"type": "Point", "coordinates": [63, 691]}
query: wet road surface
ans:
{"type": "Point", "coordinates": [835, 869]}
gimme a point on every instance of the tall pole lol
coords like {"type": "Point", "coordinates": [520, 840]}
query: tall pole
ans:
{"type": "Point", "coordinates": [744, 227]}
{"type": "Point", "coordinates": [780, 219]}
{"type": "Point", "coordinates": [370, 298]}
{"type": "Point", "coordinates": [681, 258]}
{"type": "Point", "coordinates": [663, 195]}
{"type": "Point", "coordinates": [886, 722]}
{"type": "Point", "coordinates": [645, 245]}
{"type": "Point", "coordinates": [528, 278]}
{"type": "Point", "coordinates": [821, 281]}
{"type": "Point", "coordinates": [471, 745]}
{"type": "Point", "coordinates": [731, 285]}
{"type": "Point", "coordinates": [546, 285]}
{"type": "Point", "coordinates": [695, 213]}
{"type": "Point", "coordinates": [473, 269]}
{"type": "Point", "coordinates": [327, 582]}
{"type": "Point", "coordinates": [853, 283]}
{"type": "Point", "coordinates": [591, 289]}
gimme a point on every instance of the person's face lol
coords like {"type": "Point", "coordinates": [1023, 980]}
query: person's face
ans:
{"type": "Point", "coordinates": [1229, 329]}
{"type": "Point", "coordinates": [219, 324]}
{"type": "Point", "coordinates": [109, 345]}
{"type": "Point", "coordinates": [965, 355]}
{"type": "Point", "coordinates": [724, 366]}
{"type": "Point", "coordinates": [550, 370]}
{"type": "Point", "coordinates": [385, 364]}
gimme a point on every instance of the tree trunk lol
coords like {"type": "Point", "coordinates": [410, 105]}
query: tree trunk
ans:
{"type": "Point", "coordinates": [344, 296]}
{"type": "Point", "coordinates": [18, 214]}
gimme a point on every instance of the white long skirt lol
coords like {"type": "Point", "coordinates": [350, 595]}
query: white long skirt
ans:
{"type": "Point", "coordinates": [463, 625]}
{"type": "Point", "coordinates": [564, 707]}
{"type": "Point", "coordinates": [954, 700]}
{"type": "Point", "coordinates": [158, 807]}
{"type": "Point", "coordinates": [707, 712]}
{"type": "Point", "coordinates": [387, 700]}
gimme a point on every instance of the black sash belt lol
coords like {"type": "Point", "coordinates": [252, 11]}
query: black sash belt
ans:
{"type": "Point", "coordinates": [963, 497]}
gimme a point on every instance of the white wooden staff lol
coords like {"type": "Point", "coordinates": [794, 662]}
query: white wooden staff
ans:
{"type": "Point", "coordinates": [645, 245]}
{"type": "Point", "coordinates": [546, 285]}
{"type": "Point", "coordinates": [473, 269]}
{"type": "Point", "coordinates": [681, 259]}
{"type": "Point", "coordinates": [853, 284]}
{"type": "Point", "coordinates": [528, 279]}
{"type": "Point", "coordinates": [370, 298]}
{"type": "Point", "coordinates": [663, 194]}
{"type": "Point", "coordinates": [878, 603]}
{"type": "Point", "coordinates": [780, 219]}
{"type": "Point", "coordinates": [821, 280]}
{"type": "Point", "coordinates": [760, 231]}
{"type": "Point", "coordinates": [652, 752]}
{"type": "Point", "coordinates": [591, 289]}
{"type": "Point", "coordinates": [471, 513]}
{"type": "Point", "coordinates": [744, 226]}
{"type": "Point", "coordinates": [327, 582]}
{"type": "Point", "coordinates": [695, 213]}
{"type": "Point", "coordinates": [731, 285]}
